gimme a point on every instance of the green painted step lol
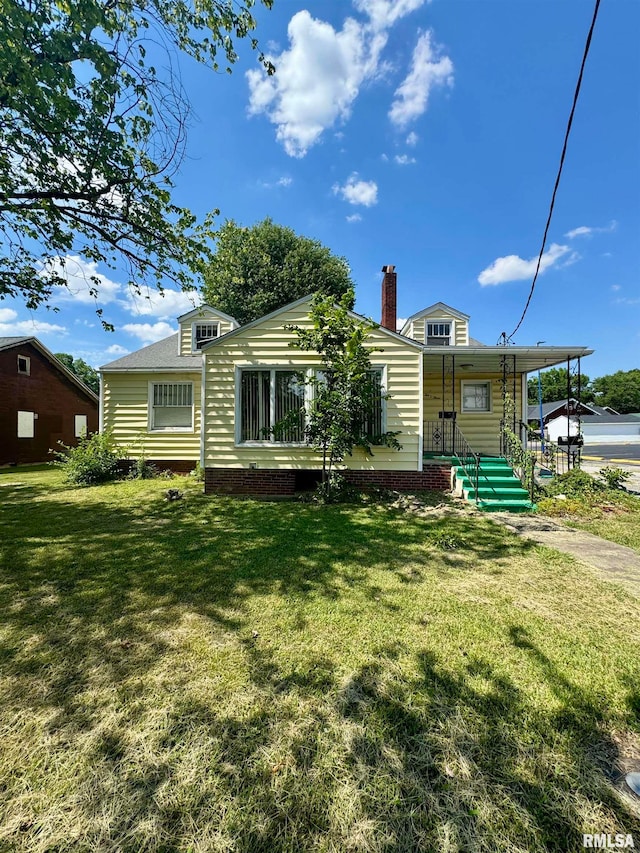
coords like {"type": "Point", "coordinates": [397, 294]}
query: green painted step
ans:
{"type": "Point", "coordinates": [498, 487]}
{"type": "Point", "coordinates": [487, 493]}
{"type": "Point", "coordinates": [509, 483]}
{"type": "Point", "coordinates": [506, 506]}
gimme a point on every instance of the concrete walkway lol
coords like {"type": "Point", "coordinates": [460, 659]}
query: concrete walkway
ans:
{"type": "Point", "coordinates": [614, 562]}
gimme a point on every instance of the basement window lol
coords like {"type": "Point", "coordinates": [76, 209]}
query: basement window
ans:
{"type": "Point", "coordinates": [24, 365]}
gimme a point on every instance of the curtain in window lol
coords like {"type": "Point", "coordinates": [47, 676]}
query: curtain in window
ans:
{"type": "Point", "coordinates": [372, 424]}
{"type": "Point", "coordinates": [255, 405]}
{"type": "Point", "coordinates": [289, 398]}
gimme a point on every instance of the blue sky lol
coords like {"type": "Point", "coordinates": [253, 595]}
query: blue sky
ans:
{"type": "Point", "coordinates": [425, 135]}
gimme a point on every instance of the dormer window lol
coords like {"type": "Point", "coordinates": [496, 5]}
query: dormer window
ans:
{"type": "Point", "coordinates": [203, 333]}
{"type": "Point", "coordinates": [438, 334]}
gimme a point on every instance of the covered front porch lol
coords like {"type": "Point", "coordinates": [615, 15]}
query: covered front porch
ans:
{"type": "Point", "coordinates": [474, 412]}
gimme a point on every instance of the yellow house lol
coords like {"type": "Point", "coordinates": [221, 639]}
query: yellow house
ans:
{"type": "Point", "coordinates": [212, 393]}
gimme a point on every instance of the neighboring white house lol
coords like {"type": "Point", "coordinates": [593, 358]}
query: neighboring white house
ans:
{"type": "Point", "coordinates": [596, 424]}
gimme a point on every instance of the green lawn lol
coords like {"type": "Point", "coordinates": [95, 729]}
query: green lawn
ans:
{"type": "Point", "coordinates": [226, 675]}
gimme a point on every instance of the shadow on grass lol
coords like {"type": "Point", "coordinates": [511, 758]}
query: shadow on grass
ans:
{"type": "Point", "coordinates": [386, 761]}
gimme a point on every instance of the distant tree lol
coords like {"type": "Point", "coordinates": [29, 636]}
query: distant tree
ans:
{"type": "Point", "coordinates": [258, 269]}
{"type": "Point", "coordinates": [82, 370]}
{"type": "Point", "coordinates": [92, 129]}
{"type": "Point", "coordinates": [554, 386]}
{"type": "Point", "coordinates": [620, 390]}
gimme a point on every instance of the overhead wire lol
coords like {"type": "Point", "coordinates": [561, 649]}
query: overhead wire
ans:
{"type": "Point", "coordinates": [504, 337]}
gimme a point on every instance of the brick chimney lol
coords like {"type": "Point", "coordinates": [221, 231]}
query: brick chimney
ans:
{"type": "Point", "coordinates": [389, 311]}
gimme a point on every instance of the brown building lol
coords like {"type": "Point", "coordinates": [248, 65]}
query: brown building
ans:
{"type": "Point", "coordinates": [41, 403]}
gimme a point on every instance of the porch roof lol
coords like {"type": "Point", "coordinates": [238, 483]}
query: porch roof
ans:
{"type": "Point", "coordinates": [472, 359]}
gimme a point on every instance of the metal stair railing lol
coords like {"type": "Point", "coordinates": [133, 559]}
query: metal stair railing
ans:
{"type": "Point", "coordinates": [549, 454]}
{"type": "Point", "coordinates": [467, 457]}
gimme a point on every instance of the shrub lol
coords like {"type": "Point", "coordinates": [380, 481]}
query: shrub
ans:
{"type": "Point", "coordinates": [94, 460]}
{"type": "Point", "coordinates": [197, 473]}
{"type": "Point", "coordinates": [614, 478]}
{"type": "Point", "coordinates": [143, 470]}
{"type": "Point", "coordinates": [574, 484]}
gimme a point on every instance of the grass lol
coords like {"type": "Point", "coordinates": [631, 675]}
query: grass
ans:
{"type": "Point", "coordinates": [229, 675]}
{"type": "Point", "coordinates": [611, 514]}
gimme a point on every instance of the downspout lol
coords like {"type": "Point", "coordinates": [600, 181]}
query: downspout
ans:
{"type": "Point", "coordinates": [101, 404]}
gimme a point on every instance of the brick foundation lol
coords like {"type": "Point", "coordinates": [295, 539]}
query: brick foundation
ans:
{"type": "Point", "coordinates": [285, 482]}
{"type": "Point", "coordinates": [249, 481]}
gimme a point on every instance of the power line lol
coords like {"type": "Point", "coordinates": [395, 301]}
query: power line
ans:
{"type": "Point", "coordinates": [506, 339]}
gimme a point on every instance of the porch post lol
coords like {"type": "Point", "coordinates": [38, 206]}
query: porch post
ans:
{"type": "Point", "coordinates": [442, 418]}
{"type": "Point", "coordinates": [515, 397]}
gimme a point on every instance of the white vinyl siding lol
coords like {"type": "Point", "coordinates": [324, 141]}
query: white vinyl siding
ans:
{"type": "Point", "coordinates": [266, 346]}
{"type": "Point", "coordinates": [171, 406]}
{"type": "Point", "coordinates": [26, 425]}
{"type": "Point", "coordinates": [126, 412]}
{"type": "Point", "coordinates": [79, 425]}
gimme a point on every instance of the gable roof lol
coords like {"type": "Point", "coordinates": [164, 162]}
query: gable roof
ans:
{"type": "Point", "coordinates": [163, 355]}
{"type": "Point", "coordinates": [433, 309]}
{"type": "Point", "coordinates": [395, 335]}
{"type": "Point", "coordinates": [551, 407]}
{"type": "Point", "coordinates": [198, 312]}
{"type": "Point", "coordinates": [8, 343]}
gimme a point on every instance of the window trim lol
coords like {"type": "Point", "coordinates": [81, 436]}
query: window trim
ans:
{"type": "Point", "coordinates": [150, 408]}
{"type": "Point", "coordinates": [452, 331]}
{"type": "Point", "coordinates": [203, 322]}
{"type": "Point", "coordinates": [308, 371]}
{"type": "Point", "coordinates": [487, 382]}
{"type": "Point", "coordinates": [26, 358]}
{"type": "Point", "coordinates": [305, 369]}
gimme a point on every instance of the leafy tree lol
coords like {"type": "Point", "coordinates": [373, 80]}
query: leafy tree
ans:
{"type": "Point", "coordinates": [554, 386]}
{"type": "Point", "coordinates": [620, 390]}
{"type": "Point", "coordinates": [345, 397]}
{"type": "Point", "coordinates": [91, 134]}
{"type": "Point", "coordinates": [81, 369]}
{"type": "Point", "coordinates": [260, 268]}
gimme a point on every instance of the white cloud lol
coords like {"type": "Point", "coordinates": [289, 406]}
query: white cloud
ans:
{"type": "Point", "coordinates": [624, 300]}
{"type": "Point", "coordinates": [412, 139]}
{"type": "Point", "coordinates": [428, 69]}
{"type": "Point", "coordinates": [149, 333]}
{"type": "Point", "coordinates": [383, 14]}
{"type": "Point", "coordinates": [116, 349]}
{"type": "Point", "coordinates": [404, 159]}
{"type": "Point", "coordinates": [319, 77]}
{"type": "Point", "coordinates": [400, 322]}
{"type": "Point", "coordinates": [11, 326]}
{"type": "Point", "coordinates": [165, 305]}
{"type": "Point", "coordinates": [587, 231]}
{"type": "Point", "coordinates": [284, 181]}
{"type": "Point", "coordinates": [615, 287]}
{"type": "Point", "coordinates": [514, 268]}
{"type": "Point", "coordinates": [358, 192]}
{"type": "Point", "coordinates": [355, 217]}
{"type": "Point", "coordinates": [84, 283]}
